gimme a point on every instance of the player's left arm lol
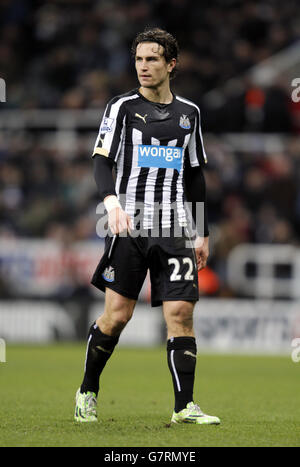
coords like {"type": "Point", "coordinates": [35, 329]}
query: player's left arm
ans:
{"type": "Point", "coordinates": [195, 190]}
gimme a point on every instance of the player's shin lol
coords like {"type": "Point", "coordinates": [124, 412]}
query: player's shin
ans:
{"type": "Point", "coordinates": [99, 349]}
{"type": "Point", "coordinates": [182, 352]}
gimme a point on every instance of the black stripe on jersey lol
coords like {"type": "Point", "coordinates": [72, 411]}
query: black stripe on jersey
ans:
{"type": "Point", "coordinates": [141, 184]}
{"type": "Point", "coordinates": [127, 163]}
{"type": "Point", "coordinates": [140, 194]}
{"type": "Point", "coordinates": [186, 158]}
{"type": "Point", "coordinates": [158, 195]}
{"type": "Point", "coordinates": [142, 178]}
{"type": "Point", "coordinates": [174, 213]}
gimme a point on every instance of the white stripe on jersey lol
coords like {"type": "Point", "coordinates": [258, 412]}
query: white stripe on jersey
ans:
{"type": "Point", "coordinates": [120, 167]}
{"type": "Point", "coordinates": [192, 144]}
{"type": "Point", "coordinates": [150, 193]}
{"type": "Point", "coordinates": [179, 201]}
{"type": "Point", "coordinates": [137, 138]}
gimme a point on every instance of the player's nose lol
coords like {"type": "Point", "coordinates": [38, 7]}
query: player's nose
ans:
{"type": "Point", "coordinates": [144, 65]}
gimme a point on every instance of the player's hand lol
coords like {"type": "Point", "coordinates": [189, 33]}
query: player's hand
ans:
{"type": "Point", "coordinates": [202, 251]}
{"type": "Point", "coordinates": [119, 221]}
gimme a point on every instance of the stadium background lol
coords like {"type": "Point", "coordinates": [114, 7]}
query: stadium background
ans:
{"type": "Point", "coordinates": [61, 62]}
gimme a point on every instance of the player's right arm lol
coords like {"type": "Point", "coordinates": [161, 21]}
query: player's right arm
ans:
{"type": "Point", "coordinates": [118, 220]}
{"type": "Point", "coordinates": [105, 155]}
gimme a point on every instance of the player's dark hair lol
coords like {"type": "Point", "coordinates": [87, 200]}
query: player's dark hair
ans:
{"type": "Point", "coordinates": [161, 37]}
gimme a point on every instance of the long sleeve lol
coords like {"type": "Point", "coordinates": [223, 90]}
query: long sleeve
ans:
{"type": "Point", "coordinates": [103, 167]}
{"type": "Point", "coordinates": [195, 191]}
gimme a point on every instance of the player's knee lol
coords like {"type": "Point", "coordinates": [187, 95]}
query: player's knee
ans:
{"type": "Point", "coordinates": [185, 318]}
{"type": "Point", "coordinates": [120, 318]}
{"type": "Point", "coordinates": [182, 314]}
{"type": "Point", "coordinates": [113, 323]}
{"type": "Point", "coordinates": [118, 315]}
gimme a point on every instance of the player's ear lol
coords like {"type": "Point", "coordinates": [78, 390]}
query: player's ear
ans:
{"type": "Point", "coordinates": [171, 65]}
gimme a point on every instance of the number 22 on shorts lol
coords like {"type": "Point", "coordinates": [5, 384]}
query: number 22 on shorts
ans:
{"type": "Point", "coordinates": [175, 276]}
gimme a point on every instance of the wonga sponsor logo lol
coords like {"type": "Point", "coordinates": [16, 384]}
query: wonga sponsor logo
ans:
{"type": "Point", "coordinates": [163, 157]}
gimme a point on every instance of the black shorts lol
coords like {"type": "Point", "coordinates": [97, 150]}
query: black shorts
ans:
{"type": "Point", "coordinates": [170, 261]}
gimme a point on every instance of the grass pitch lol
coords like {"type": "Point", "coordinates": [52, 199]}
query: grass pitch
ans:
{"type": "Point", "coordinates": [257, 399]}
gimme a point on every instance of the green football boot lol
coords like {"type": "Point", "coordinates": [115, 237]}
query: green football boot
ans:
{"type": "Point", "coordinates": [193, 414]}
{"type": "Point", "coordinates": [86, 407]}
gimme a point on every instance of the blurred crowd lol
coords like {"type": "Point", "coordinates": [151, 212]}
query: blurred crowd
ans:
{"type": "Point", "coordinates": [76, 53]}
{"type": "Point", "coordinates": [253, 196]}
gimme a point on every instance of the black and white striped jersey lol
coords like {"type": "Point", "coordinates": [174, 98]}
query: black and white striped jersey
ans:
{"type": "Point", "coordinates": [150, 143]}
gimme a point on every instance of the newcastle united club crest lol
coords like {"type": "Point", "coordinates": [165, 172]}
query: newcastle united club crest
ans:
{"type": "Point", "coordinates": [184, 122]}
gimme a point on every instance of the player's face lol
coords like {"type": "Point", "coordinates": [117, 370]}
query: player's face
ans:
{"type": "Point", "coordinates": [151, 66]}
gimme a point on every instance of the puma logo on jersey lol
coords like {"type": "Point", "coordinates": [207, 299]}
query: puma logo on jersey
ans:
{"type": "Point", "coordinates": [142, 117]}
{"type": "Point", "coordinates": [187, 352]}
